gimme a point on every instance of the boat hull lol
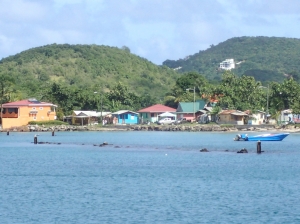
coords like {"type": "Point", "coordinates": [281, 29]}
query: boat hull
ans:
{"type": "Point", "coordinates": [263, 137]}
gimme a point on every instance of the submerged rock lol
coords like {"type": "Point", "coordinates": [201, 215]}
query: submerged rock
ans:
{"type": "Point", "coordinates": [243, 151]}
{"type": "Point", "coordinates": [204, 150]}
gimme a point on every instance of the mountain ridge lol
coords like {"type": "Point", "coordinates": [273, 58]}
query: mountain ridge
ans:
{"type": "Point", "coordinates": [274, 56]}
{"type": "Point", "coordinates": [87, 66]}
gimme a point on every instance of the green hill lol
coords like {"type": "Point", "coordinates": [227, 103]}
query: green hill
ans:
{"type": "Point", "coordinates": [265, 58]}
{"type": "Point", "coordinates": [87, 66]}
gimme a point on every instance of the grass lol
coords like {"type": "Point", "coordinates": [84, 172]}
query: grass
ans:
{"type": "Point", "coordinates": [48, 123]}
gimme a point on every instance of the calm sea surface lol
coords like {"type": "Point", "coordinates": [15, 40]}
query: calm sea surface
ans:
{"type": "Point", "coordinates": [147, 177]}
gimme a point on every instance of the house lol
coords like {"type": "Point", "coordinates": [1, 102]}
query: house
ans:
{"type": "Point", "coordinates": [232, 117]}
{"type": "Point", "coordinates": [189, 109]}
{"type": "Point", "coordinates": [296, 118]}
{"type": "Point", "coordinates": [152, 113]}
{"type": "Point", "coordinates": [80, 117]}
{"type": "Point", "coordinates": [257, 118]}
{"type": "Point", "coordinates": [19, 113]}
{"type": "Point", "coordinates": [285, 117]}
{"type": "Point", "coordinates": [125, 117]}
{"type": "Point", "coordinates": [228, 64]}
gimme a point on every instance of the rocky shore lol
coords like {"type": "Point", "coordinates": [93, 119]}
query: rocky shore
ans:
{"type": "Point", "coordinates": [192, 128]}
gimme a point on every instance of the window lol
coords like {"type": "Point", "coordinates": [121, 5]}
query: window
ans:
{"type": "Point", "coordinates": [11, 110]}
{"type": "Point", "coordinates": [41, 108]}
{"type": "Point", "coordinates": [33, 108]}
{"type": "Point", "coordinates": [34, 117]}
{"type": "Point", "coordinates": [3, 110]}
{"type": "Point", "coordinates": [152, 114]}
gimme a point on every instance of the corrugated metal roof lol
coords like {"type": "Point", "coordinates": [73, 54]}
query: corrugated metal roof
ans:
{"type": "Point", "coordinates": [159, 108]}
{"type": "Point", "coordinates": [123, 112]}
{"type": "Point", "coordinates": [188, 107]}
{"type": "Point", "coordinates": [227, 112]}
{"type": "Point", "coordinates": [239, 114]}
{"type": "Point", "coordinates": [28, 102]}
{"type": "Point", "coordinates": [87, 113]}
{"type": "Point", "coordinates": [233, 112]}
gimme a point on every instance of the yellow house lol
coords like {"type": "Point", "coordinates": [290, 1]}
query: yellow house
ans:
{"type": "Point", "coordinates": [19, 113]}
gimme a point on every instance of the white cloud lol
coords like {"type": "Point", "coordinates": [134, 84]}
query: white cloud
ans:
{"type": "Point", "coordinates": [21, 11]}
{"type": "Point", "coordinates": [153, 29]}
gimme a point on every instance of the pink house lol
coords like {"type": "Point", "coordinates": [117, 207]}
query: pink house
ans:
{"type": "Point", "coordinates": [151, 114]}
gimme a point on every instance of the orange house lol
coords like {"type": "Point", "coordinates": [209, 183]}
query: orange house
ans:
{"type": "Point", "coordinates": [19, 113]}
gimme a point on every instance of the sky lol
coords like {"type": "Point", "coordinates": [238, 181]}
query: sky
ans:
{"type": "Point", "coordinates": [157, 30]}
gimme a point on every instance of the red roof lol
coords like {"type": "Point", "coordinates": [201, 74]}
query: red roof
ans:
{"type": "Point", "coordinates": [27, 103]}
{"type": "Point", "coordinates": [157, 108]}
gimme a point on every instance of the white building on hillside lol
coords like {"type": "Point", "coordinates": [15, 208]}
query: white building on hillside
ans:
{"type": "Point", "coordinates": [228, 64]}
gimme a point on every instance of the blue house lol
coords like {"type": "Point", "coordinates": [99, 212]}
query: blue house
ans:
{"type": "Point", "coordinates": [125, 117]}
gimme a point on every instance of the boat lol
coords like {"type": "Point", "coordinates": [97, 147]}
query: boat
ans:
{"type": "Point", "coordinates": [262, 137]}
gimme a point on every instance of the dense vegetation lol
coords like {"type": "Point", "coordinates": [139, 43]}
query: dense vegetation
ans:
{"type": "Point", "coordinates": [238, 92]}
{"type": "Point", "coordinates": [86, 67]}
{"type": "Point", "coordinates": [265, 58]}
{"type": "Point", "coordinates": [103, 78]}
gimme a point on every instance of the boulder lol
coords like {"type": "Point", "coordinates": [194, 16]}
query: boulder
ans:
{"type": "Point", "coordinates": [243, 151]}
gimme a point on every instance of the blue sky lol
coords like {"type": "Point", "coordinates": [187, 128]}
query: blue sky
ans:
{"type": "Point", "coordinates": [153, 29]}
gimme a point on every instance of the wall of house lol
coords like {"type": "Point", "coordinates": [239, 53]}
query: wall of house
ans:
{"type": "Point", "coordinates": [27, 114]}
{"type": "Point", "coordinates": [188, 117]}
{"type": "Point", "coordinates": [258, 119]}
{"type": "Point", "coordinates": [230, 119]}
{"type": "Point", "coordinates": [128, 118]}
{"type": "Point", "coordinates": [285, 117]}
{"type": "Point", "coordinates": [148, 117]}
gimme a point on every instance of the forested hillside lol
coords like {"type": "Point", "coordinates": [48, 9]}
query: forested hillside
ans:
{"type": "Point", "coordinates": [265, 58]}
{"type": "Point", "coordinates": [86, 66]}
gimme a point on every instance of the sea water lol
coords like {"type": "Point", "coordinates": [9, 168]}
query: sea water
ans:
{"type": "Point", "coordinates": [147, 177]}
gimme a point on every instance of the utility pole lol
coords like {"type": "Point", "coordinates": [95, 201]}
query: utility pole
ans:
{"type": "Point", "coordinates": [101, 105]}
{"type": "Point", "coordinates": [194, 100]}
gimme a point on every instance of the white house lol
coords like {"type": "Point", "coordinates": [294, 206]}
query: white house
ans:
{"type": "Point", "coordinates": [257, 118]}
{"type": "Point", "coordinates": [228, 64]}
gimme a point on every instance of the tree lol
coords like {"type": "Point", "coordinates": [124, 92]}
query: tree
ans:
{"type": "Point", "coordinates": [125, 48]}
{"type": "Point", "coordinates": [188, 81]}
{"type": "Point", "coordinates": [6, 88]}
{"type": "Point", "coordinates": [240, 93]}
{"type": "Point", "coordinates": [121, 97]}
{"type": "Point", "coordinates": [64, 96]}
{"type": "Point", "coordinates": [285, 96]}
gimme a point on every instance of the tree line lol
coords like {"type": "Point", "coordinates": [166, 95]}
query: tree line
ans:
{"type": "Point", "coordinates": [233, 92]}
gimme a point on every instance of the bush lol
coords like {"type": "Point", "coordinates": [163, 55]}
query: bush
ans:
{"type": "Point", "coordinates": [54, 122]}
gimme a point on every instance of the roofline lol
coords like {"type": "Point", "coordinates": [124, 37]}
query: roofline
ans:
{"type": "Point", "coordinates": [156, 111]}
{"type": "Point", "coordinates": [28, 105]}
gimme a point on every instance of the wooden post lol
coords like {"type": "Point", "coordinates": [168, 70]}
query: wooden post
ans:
{"type": "Point", "coordinates": [258, 147]}
{"type": "Point", "coordinates": [7, 133]}
{"type": "Point", "coordinates": [52, 133]}
{"type": "Point", "coordinates": [35, 139]}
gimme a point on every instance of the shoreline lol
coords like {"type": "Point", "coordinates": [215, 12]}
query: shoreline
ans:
{"type": "Point", "coordinates": [174, 128]}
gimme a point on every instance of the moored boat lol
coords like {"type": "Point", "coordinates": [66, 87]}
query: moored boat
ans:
{"type": "Point", "coordinates": [262, 137]}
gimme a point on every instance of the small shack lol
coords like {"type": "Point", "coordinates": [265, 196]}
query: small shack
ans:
{"type": "Point", "coordinates": [125, 117]}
